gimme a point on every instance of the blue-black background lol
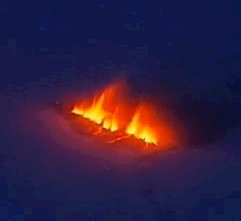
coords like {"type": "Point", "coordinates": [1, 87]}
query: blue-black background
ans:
{"type": "Point", "coordinates": [183, 54]}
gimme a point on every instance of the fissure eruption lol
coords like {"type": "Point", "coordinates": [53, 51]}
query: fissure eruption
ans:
{"type": "Point", "coordinates": [113, 112]}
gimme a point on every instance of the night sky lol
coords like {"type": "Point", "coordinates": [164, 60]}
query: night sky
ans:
{"type": "Point", "coordinates": [184, 56]}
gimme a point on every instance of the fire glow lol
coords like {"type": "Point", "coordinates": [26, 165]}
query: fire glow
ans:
{"type": "Point", "coordinates": [112, 112]}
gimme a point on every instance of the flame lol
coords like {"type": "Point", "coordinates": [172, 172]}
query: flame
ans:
{"type": "Point", "coordinates": [111, 122]}
{"type": "Point", "coordinates": [95, 112]}
{"type": "Point", "coordinates": [113, 113]}
{"type": "Point", "coordinates": [140, 129]}
{"type": "Point", "coordinates": [101, 110]}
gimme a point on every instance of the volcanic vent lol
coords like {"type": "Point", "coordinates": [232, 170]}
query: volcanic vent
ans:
{"type": "Point", "coordinates": [116, 112]}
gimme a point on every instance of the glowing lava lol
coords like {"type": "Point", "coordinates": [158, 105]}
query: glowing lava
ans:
{"type": "Point", "coordinates": [140, 129]}
{"type": "Point", "coordinates": [112, 112]}
{"type": "Point", "coordinates": [99, 112]}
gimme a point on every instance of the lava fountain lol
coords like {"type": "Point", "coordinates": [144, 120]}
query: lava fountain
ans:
{"type": "Point", "coordinates": [113, 112]}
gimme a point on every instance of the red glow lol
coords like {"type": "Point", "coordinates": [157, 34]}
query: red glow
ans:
{"type": "Point", "coordinates": [112, 112]}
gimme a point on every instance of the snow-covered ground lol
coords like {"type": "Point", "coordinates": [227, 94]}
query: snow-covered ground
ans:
{"type": "Point", "coordinates": [46, 166]}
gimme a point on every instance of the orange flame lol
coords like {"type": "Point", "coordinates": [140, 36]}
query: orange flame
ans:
{"type": "Point", "coordinates": [140, 129]}
{"type": "Point", "coordinates": [102, 110]}
{"type": "Point", "coordinates": [112, 113]}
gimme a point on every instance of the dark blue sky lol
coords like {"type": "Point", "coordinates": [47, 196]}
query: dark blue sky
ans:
{"type": "Point", "coordinates": [214, 24]}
